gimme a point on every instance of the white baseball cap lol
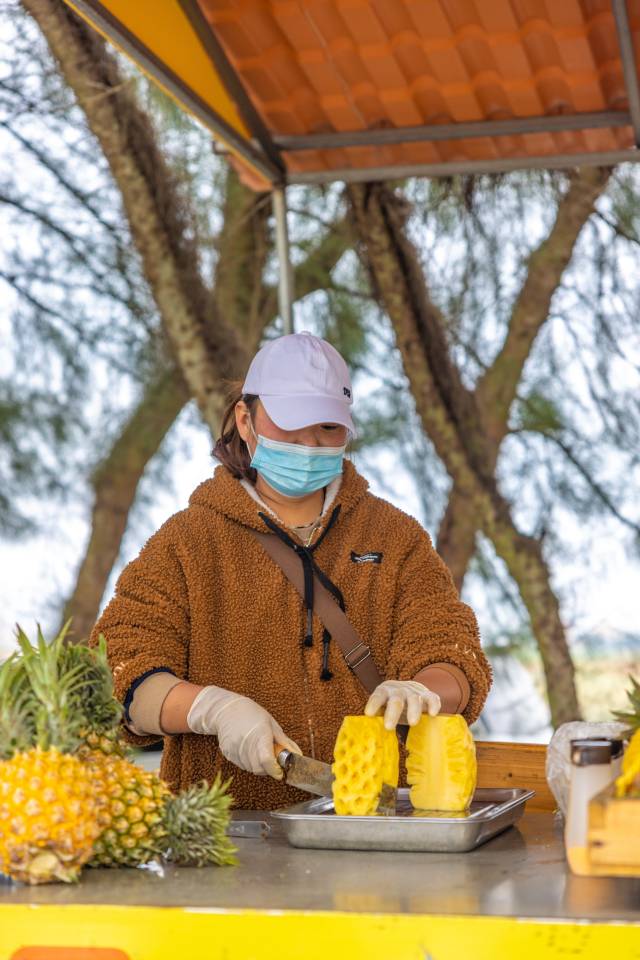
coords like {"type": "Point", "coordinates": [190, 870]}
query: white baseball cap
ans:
{"type": "Point", "coordinates": [301, 380]}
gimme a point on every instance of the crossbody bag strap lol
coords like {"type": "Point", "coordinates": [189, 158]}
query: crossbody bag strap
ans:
{"type": "Point", "coordinates": [357, 655]}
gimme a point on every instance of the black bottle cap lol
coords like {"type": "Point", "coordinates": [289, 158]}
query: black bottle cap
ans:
{"type": "Point", "coordinates": [592, 751]}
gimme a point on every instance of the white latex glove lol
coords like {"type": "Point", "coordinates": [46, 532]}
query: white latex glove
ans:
{"type": "Point", "coordinates": [395, 695]}
{"type": "Point", "coordinates": [246, 732]}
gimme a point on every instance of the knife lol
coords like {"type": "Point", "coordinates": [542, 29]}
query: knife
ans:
{"type": "Point", "coordinates": [316, 777]}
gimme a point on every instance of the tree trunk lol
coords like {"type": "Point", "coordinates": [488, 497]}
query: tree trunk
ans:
{"type": "Point", "coordinates": [114, 484]}
{"type": "Point", "coordinates": [456, 541]}
{"type": "Point", "coordinates": [496, 389]}
{"type": "Point", "coordinates": [206, 348]}
{"type": "Point", "coordinates": [451, 417]}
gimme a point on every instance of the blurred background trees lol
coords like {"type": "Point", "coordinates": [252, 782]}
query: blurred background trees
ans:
{"type": "Point", "coordinates": [491, 324]}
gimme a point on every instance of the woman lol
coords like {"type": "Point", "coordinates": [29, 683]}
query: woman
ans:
{"type": "Point", "coordinates": [211, 645]}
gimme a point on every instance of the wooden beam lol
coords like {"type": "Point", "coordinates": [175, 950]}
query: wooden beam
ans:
{"type": "Point", "coordinates": [516, 765]}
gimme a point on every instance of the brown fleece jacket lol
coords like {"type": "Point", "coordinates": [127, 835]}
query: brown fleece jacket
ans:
{"type": "Point", "coordinates": [205, 601]}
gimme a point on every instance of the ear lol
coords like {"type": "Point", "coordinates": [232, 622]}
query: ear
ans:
{"type": "Point", "coordinates": [243, 418]}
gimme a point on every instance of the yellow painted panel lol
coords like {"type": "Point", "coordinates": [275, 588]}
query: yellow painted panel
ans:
{"type": "Point", "coordinates": [163, 28]}
{"type": "Point", "coordinates": [166, 32]}
{"type": "Point", "coordinates": [143, 933]}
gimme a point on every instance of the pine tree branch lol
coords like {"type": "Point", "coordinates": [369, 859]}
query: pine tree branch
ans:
{"type": "Point", "coordinates": [599, 490]}
{"type": "Point", "coordinates": [546, 264]}
{"type": "Point", "coordinates": [206, 348]}
{"type": "Point", "coordinates": [54, 169]}
{"type": "Point", "coordinates": [456, 429]}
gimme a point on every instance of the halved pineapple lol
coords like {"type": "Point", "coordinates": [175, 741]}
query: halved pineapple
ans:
{"type": "Point", "coordinates": [366, 758]}
{"type": "Point", "coordinates": [441, 763]}
{"type": "Point", "coordinates": [628, 783]}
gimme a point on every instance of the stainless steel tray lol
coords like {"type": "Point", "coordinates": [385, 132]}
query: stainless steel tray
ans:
{"type": "Point", "coordinates": [314, 824]}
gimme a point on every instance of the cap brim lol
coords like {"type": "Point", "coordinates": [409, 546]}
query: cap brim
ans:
{"type": "Point", "coordinates": [293, 413]}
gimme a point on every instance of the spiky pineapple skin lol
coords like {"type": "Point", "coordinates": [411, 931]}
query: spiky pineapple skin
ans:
{"type": "Point", "coordinates": [131, 821]}
{"type": "Point", "coordinates": [441, 763]}
{"type": "Point", "coordinates": [365, 758]}
{"type": "Point", "coordinates": [49, 816]}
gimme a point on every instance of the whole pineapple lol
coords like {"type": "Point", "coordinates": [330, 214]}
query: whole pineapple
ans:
{"type": "Point", "coordinates": [441, 763]}
{"type": "Point", "coordinates": [132, 831]}
{"type": "Point", "coordinates": [141, 820]}
{"type": "Point", "coordinates": [366, 759]}
{"type": "Point", "coordinates": [49, 809]}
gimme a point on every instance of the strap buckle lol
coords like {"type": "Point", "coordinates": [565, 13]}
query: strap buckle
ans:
{"type": "Point", "coordinates": [361, 658]}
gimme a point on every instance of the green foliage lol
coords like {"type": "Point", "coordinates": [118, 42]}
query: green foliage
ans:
{"type": "Point", "coordinates": [17, 709]}
{"type": "Point", "coordinates": [196, 821]}
{"type": "Point", "coordinates": [53, 691]}
{"type": "Point", "coordinates": [537, 413]}
{"type": "Point", "coordinates": [631, 716]}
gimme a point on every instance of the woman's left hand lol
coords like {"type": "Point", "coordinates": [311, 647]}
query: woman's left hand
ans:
{"type": "Point", "coordinates": [396, 695]}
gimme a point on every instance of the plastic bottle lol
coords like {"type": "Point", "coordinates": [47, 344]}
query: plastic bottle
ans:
{"type": "Point", "coordinates": [617, 752]}
{"type": "Point", "coordinates": [590, 773]}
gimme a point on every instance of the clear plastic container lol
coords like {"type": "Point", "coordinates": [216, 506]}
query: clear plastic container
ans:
{"type": "Point", "coordinates": [617, 752]}
{"type": "Point", "coordinates": [590, 773]}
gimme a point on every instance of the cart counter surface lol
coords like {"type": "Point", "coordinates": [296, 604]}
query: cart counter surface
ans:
{"type": "Point", "coordinates": [513, 893]}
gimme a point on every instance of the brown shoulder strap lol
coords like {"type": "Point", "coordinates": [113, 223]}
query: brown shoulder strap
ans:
{"type": "Point", "coordinates": [356, 653]}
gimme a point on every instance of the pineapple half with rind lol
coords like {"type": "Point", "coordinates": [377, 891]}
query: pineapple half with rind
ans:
{"type": "Point", "coordinates": [441, 763]}
{"type": "Point", "coordinates": [366, 758]}
{"type": "Point", "coordinates": [628, 783]}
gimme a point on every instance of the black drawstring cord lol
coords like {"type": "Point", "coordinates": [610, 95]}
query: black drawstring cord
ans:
{"type": "Point", "coordinates": [308, 569]}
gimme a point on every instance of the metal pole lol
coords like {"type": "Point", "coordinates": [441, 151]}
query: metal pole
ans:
{"type": "Point", "coordinates": [629, 68]}
{"type": "Point", "coordinates": [285, 273]}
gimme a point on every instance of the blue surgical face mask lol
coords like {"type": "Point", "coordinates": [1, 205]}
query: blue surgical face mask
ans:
{"type": "Point", "coordinates": [294, 470]}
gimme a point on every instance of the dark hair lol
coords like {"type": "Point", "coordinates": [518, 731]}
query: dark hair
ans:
{"type": "Point", "coordinates": [230, 448]}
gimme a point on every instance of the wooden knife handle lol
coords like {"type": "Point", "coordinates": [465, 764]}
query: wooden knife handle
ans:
{"type": "Point", "coordinates": [278, 750]}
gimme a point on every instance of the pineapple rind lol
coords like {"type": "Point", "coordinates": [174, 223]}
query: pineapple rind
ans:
{"type": "Point", "coordinates": [365, 757]}
{"type": "Point", "coordinates": [49, 813]}
{"type": "Point", "coordinates": [132, 831]}
{"type": "Point", "coordinates": [441, 763]}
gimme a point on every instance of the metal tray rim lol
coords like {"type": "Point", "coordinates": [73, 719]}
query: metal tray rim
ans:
{"type": "Point", "coordinates": [301, 811]}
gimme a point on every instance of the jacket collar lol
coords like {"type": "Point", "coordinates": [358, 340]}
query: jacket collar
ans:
{"type": "Point", "coordinates": [226, 495]}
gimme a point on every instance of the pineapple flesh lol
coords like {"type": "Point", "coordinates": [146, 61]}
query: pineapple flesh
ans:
{"type": "Point", "coordinates": [365, 759]}
{"type": "Point", "coordinates": [628, 783]}
{"type": "Point", "coordinates": [441, 763]}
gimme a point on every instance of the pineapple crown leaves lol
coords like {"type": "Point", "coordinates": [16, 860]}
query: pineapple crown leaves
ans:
{"type": "Point", "coordinates": [53, 691]}
{"type": "Point", "coordinates": [95, 699]}
{"type": "Point", "coordinates": [70, 687]}
{"type": "Point", "coordinates": [632, 716]}
{"type": "Point", "coordinates": [17, 709]}
{"type": "Point", "coordinates": [196, 821]}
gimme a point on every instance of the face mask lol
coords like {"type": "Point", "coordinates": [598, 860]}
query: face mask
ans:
{"type": "Point", "coordinates": [294, 470]}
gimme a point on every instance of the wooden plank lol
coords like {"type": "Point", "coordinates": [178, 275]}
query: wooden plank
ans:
{"type": "Point", "coordinates": [515, 765]}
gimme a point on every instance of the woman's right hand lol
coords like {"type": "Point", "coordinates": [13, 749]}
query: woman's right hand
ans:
{"type": "Point", "coordinates": [246, 732]}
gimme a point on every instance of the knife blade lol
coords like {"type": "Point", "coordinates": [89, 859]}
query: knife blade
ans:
{"type": "Point", "coordinates": [316, 777]}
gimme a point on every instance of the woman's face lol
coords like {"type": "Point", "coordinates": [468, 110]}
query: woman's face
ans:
{"type": "Point", "coordinates": [317, 435]}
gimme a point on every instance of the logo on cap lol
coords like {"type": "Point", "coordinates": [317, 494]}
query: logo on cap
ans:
{"type": "Point", "coordinates": [346, 392]}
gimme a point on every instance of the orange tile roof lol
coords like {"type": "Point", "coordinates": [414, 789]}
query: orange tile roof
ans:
{"type": "Point", "coordinates": [303, 90]}
{"type": "Point", "coordinates": [328, 66]}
